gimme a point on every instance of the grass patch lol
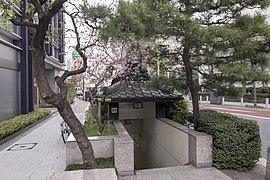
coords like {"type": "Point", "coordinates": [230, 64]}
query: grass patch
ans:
{"type": "Point", "coordinates": [101, 164]}
{"type": "Point", "coordinates": [92, 129]}
{"type": "Point", "coordinates": [17, 123]}
{"type": "Point", "coordinates": [105, 163]}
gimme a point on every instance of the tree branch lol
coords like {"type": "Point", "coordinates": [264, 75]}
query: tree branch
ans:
{"type": "Point", "coordinates": [21, 23]}
{"type": "Point", "coordinates": [38, 7]}
{"type": "Point", "coordinates": [56, 6]}
{"type": "Point", "coordinates": [79, 50]}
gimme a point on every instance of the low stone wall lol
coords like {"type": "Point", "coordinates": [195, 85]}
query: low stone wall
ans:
{"type": "Point", "coordinates": [199, 145]}
{"type": "Point", "coordinates": [120, 146]}
{"type": "Point", "coordinates": [123, 151]}
{"type": "Point", "coordinates": [102, 146]}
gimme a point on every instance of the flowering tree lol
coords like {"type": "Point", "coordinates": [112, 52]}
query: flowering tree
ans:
{"type": "Point", "coordinates": [36, 16]}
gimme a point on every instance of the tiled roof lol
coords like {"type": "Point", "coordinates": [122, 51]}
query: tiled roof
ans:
{"type": "Point", "coordinates": [138, 92]}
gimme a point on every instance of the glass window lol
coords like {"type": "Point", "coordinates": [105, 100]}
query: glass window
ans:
{"type": "Point", "coordinates": [137, 105]}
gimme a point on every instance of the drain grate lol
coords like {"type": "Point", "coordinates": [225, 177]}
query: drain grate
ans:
{"type": "Point", "coordinates": [22, 146]}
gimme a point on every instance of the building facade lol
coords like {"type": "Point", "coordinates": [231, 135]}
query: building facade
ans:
{"type": "Point", "coordinates": [17, 90]}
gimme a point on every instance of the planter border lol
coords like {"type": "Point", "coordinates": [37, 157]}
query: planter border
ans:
{"type": "Point", "coordinates": [25, 129]}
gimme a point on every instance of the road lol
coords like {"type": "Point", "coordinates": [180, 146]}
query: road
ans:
{"type": "Point", "coordinates": [262, 116]}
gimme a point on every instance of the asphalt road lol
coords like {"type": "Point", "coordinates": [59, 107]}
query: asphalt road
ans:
{"type": "Point", "coordinates": [262, 116]}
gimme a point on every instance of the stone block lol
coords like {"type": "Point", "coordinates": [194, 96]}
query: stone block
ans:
{"type": "Point", "coordinates": [200, 150]}
{"type": "Point", "coordinates": [204, 151]}
{"type": "Point", "coordinates": [73, 155]}
{"type": "Point", "coordinates": [192, 150]}
{"type": "Point", "coordinates": [124, 155]}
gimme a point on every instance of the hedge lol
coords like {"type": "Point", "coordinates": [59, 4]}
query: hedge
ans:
{"type": "Point", "coordinates": [236, 141]}
{"type": "Point", "coordinates": [17, 123]}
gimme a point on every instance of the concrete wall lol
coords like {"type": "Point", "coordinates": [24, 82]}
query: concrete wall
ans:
{"type": "Point", "coordinates": [164, 143]}
{"type": "Point", "coordinates": [9, 80]}
{"type": "Point", "coordinates": [9, 94]}
{"type": "Point", "coordinates": [51, 74]}
{"type": "Point", "coordinates": [120, 146]}
{"type": "Point", "coordinates": [160, 145]}
{"type": "Point", "coordinates": [126, 111]}
{"type": "Point", "coordinates": [102, 146]}
{"type": "Point", "coordinates": [199, 144]}
{"type": "Point", "coordinates": [134, 127]}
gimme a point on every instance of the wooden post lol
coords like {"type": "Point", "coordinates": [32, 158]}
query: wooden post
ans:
{"type": "Point", "coordinates": [37, 94]}
{"type": "Point", "coordinates": [37, 98]}
{"type": "Point", "coordinates": [242, 101]}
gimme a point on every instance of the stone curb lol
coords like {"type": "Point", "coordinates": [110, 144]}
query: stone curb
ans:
{"type": "Point", "coordinates": [235, 106]}
{"type": "Point", "coordinates": [14, 135]}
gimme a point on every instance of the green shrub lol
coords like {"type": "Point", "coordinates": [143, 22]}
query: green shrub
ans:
{"type": "Point", "coordinates": [178, 111]}
{"type": "Point", "coordinates": [17, 123]}
{"type": "Point", "coordinates": [92, 129]}
{"type": "Point", "coordinates": [236, 141]}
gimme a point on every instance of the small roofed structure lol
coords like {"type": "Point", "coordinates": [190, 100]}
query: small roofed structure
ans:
{"type": "Point", "coordinates": [125, 99]}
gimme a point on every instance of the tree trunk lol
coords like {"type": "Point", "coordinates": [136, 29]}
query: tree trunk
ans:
{"type": "Point", "coordinates": [78, 131]}
{"type": "Point", "coordinates": [63, 107]}
{"type": "Point", "coordinates": [244, 85]}
{"type": "Point", "coordinates": [192, 85]}
{"type": "Point", "coordinates": [94, 112]}
{"type": "Point", "coordinates": [254, 94]}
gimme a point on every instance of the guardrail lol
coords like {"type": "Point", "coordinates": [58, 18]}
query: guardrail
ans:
{"type": "Point", "coordinates": [264, 102]}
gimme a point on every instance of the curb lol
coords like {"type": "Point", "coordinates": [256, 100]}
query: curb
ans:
{"type": "Point", "coordinates": [262, 162]}
{"type": "Point", "coordinates": [14, 135]}
{"type": "Point", "coordinates": [235, 106]}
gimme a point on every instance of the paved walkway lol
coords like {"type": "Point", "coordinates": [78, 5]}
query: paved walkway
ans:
{"type": "Point", "coordinates": [44, 152]}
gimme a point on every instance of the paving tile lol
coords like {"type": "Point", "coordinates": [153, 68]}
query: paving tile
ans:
{"type": "Point", "coordinates": [46, 158]}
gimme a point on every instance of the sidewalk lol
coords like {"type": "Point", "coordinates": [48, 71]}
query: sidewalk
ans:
{"type": "Point", "coordinates": [38, 154]}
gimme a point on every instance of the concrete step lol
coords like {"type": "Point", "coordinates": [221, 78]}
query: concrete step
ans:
{"type": "Point", "coordinates": [93, 174]}
{"type": "Point", "coordinates": [178, 173]}
{"type": "Point", "coordinates": [165, 169]}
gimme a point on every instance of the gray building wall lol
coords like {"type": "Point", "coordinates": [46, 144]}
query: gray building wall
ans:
{"type": "Point", "coordinates": [9, 79]}
{"type": "Point", "coordinates": [157, 144]}
{"type": "Point", "coordinates": [51, 73]}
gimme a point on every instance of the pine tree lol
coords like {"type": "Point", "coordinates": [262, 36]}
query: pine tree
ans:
{"type": "Point", "coordinates": [211, 37]}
